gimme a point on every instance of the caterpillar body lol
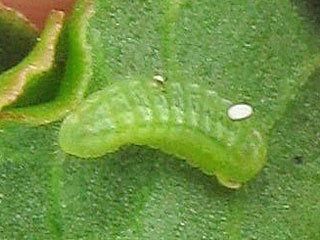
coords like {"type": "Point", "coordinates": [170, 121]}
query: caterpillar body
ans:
{"type": "Point", "coordinates": [186, 120]}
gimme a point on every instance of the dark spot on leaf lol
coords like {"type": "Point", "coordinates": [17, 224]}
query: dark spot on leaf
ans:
{"type": "Point", "coordinates": [298, 160]}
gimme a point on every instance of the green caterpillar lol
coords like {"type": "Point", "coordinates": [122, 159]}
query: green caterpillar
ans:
{"type": "Point", "coordinates": [185, 120]}
{"type": "Point", "coordinates": [182, 118]}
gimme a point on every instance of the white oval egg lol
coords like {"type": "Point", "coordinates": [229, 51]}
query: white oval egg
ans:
{"type": "Point", "coordinates": [158, 78]}
{"type": "Point", "coordinates": [240, 111]}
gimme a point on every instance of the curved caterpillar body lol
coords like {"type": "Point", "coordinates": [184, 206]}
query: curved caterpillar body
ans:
{"type": "Point", "coordinates": [185, 120]}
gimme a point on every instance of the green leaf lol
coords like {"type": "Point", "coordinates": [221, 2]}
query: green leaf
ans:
{"type": "Point", "coordinates": [76, 69]}
{"type": "Point", "coordinates": [139, 193]}
{"type": "Point", "coordinates": [35, 67]}
{"type": "Point", "coordinates": [17, 37]}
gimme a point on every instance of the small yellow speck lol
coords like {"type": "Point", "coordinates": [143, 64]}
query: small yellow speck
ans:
{"type": "Point", "coordinates": [158, 78]}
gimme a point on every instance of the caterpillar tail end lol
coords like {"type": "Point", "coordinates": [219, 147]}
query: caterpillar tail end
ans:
{"type": "Point", "coordinates": [228, 183]}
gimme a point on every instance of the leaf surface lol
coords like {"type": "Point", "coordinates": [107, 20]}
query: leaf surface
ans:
{"type": "Point", "coordinates": [17, 37]}
{"type": "Point", "coordinates": [244, 50]}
